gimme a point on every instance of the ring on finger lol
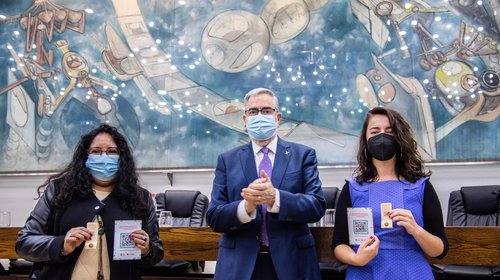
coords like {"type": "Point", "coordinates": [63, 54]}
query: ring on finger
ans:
{"type": "Point", "coordinates": [145, 238]}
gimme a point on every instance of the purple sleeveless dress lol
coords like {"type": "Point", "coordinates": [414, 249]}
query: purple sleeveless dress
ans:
{"type": "Point", "coordinates": [399, 256]}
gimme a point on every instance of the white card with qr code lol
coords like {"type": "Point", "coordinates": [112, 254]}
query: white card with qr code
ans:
{"type": "Point", "coordinates": [360, 222]}
{"type": "Point", "coordinates": [124, 247]}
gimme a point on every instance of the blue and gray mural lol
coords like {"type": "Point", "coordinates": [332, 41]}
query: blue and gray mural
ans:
{"type": "Point", "coordinates": [171, 75]}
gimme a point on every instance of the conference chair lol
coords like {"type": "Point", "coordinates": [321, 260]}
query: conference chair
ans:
{"type": "Point", "coordinates": [188, 209]}
{"type": "Point", "coordinates": [334, 270]}
{"type": "Point", "coordinates": [331, 196]}
{"type": "Point", "coordinates": [472, 206]}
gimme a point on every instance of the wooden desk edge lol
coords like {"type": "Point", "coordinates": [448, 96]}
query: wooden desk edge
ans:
{"type": "Point", "coordinates": [468, 245]}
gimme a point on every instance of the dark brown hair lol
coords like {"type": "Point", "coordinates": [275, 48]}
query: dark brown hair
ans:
{"type": "Point", "coordinates": [75, 181]}
{"type": "Point", "coordinates": [409, 163]}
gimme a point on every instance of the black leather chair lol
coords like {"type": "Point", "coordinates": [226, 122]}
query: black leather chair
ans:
{"type": "Point", "coordinates": [335, 270]}
{"type": "Point", "coordinates": [472, 206]}
{"type": "Point", "coordinates": [331, 197]}
{"type": "Point", "coordinates": [188, 207]}
{"type": "Point", "coordinates": [188, 210]}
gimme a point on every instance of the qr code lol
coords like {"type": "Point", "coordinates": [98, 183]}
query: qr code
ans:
{"type": "Point", "coordinates": [126, 241]}
{"type": "Point", "coordinates": [360, 226]}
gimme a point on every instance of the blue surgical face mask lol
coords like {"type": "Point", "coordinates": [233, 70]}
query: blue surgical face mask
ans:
{"type": "Point", "coordinates": [261, 127]}
{"type": "Point", "coordinates": [103, 167]}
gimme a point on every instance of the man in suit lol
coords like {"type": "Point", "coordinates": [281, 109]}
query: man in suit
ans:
{"type": "Point", "coordinates": [264, 195]}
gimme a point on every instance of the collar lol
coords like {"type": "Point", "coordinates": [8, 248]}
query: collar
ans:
{"type": "Point", "coordinates": [272, 146]}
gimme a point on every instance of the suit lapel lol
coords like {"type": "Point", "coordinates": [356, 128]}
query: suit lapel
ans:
{"type": "Point", "coordinates": [247, 161]}
{"type": "Point", "coordinates": [281, 159]}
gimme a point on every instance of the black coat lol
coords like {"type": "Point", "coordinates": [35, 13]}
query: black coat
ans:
{"type": "Point", "coordinates": [42, 237]}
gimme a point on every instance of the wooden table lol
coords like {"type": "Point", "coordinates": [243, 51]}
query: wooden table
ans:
{"type": "Point", "coordinates": [468, 245]}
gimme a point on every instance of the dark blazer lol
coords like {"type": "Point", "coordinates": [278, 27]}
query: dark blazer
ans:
{"type": "Point", "coordinates": [295, 176]}
{"type": "Point", "coordinates": [42, 237]}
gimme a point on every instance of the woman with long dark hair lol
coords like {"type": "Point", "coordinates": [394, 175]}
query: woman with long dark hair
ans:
{"type": "Point", "coordinates": [99, 186]}
{"type": "Point", "coordinates": [390, 174]}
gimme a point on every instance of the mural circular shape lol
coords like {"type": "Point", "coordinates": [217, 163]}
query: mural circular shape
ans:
{"type": "Point", "coordinates": [469, 82]}
{"type": "Point", "coordinates": [375, 76]}
{"type": "Point", "coordinates": [285, 19]}
{"type": "Point", "coordinates": [386, 93]}
{"type": "Point", "coordinates": [235, 41]}
{"type": "Point", "coordinates": [490, 79]}
{"type": "Point", "coordinates": [449, 75]}
{"type": "Point", "coordinates": [384, 8]}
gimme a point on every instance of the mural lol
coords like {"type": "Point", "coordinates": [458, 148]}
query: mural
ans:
{"type": "Point", "coordinates": [171, 75]}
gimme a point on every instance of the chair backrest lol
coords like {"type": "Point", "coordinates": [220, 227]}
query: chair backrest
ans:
{"type": "Point", "coordinates": [188, 207]}
{"type": "Point", "coordinates": [474, 206]}
{"type": "Point", "coordinates": [331, 197]}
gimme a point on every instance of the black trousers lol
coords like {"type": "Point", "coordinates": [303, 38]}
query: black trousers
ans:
{"type": "Point", "coordinates": [264, 268]}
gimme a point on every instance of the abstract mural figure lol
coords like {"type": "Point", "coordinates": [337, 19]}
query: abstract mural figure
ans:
{"type": "Point", "coordinates": [432, 49]}
{"type": "Point", "coordinates": [23, 130]}
{"type": "Point", "coordinates": [285, 19]}
{"type": "Point", "coordinates": [76, 69]}
{"type": "Point", "coordinates": [371, 13]}
{"type": "Point", "coordinates": [171, 75]}
{"type": "Point", "coordinates": [478, 12]}
{"type": "Point", "coordinates": [235, 41]}
{"type": "Point", "coordinates": [468, 94]}
{"type": "Point", "coordinates": [20, 119]}
{"type": "Point", "coordinates": [381, 86]}
{"type": "Point", "coordinates": [40, 21]}
{"type": "Point", "coordinates": [32, 71]}
{"type": "Point", "coordinates": [161, 75]}
{"type": "Point", "coordinates": [471, 42]}
{"type": "Point", "coordinates": [124, 66]}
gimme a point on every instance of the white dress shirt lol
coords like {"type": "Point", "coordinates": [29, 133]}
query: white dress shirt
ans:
{"type": "Point", "coordinates": [243, 216]}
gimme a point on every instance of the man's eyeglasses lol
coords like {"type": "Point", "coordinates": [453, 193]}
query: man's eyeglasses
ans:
{"type": "Point", "coordinates": [99, 151]}
{"type": "Point", "coordinates": [263, 111]}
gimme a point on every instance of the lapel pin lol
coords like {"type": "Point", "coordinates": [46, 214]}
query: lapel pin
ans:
{"type": "Point", "coordinates": [286, 153]}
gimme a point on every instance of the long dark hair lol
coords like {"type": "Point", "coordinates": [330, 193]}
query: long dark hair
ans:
{"type": "Point", "coordinates": [75, 181]}
{"type": "Point", "coordinates": [409, 163]}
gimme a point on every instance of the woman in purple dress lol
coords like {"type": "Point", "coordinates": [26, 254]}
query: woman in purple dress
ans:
{"type": "Point", "coordinates": [390, 171]}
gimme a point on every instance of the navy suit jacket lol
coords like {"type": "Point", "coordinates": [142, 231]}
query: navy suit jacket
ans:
{"type": "Point", "coordinates": [295, 176]}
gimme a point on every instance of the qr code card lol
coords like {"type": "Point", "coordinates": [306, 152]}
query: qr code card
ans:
{"type": "Point", "coordinates": [124, 247]}
{"type": "Point", "coordinates": [360, 226]}
{"type": "Point", "coordinates": [126, 241]}
{"type": "Point", "coordinates": [360, 222]}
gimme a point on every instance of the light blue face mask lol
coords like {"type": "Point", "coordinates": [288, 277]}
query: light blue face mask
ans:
{"type": "Point", "coordinates": [261, 127]}
{"type": "Point", "coordinates": [103, 167]}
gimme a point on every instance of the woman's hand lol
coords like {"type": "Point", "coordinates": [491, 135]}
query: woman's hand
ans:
{"type": "Point", "coordinates": [74, 238]}
{"type": "Point", "coordinates": [367, 251]}
{"type": "Point", "coordinates": [141, 240]}
{"type": "Point", "coordinates": [404, 218]}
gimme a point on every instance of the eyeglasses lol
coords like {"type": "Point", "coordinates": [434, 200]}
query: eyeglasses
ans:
{"type": "Point", "coordinates": [263, 111]}
{"type": "Point", "coordinates": [113, 151]}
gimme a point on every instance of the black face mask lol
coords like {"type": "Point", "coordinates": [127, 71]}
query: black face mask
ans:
{"type": "Point", "coordinates": [382, 146]}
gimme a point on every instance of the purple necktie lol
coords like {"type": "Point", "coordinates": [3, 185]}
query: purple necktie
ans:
{"type": "Point", "coordinates": [267, 166]}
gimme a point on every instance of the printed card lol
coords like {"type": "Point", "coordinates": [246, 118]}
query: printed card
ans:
{"type": "Point", "coordinates": [385, 221]}
{"type": "Point", "coordinates": [92, 243]}
{"type": "Point", "coordinates": [360, 222]}
{"type": "Point", "coordinates": [124, 246]}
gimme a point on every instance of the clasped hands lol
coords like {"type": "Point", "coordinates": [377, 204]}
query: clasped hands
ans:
{"type": "Point", "coordinates": [259, 192]}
